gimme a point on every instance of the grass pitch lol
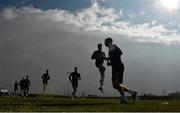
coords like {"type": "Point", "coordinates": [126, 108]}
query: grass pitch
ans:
{"type": "Point", "coordinates": [45, 104]}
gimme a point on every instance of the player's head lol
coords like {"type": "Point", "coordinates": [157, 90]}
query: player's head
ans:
{"type": "Point", "coordinates": [108, 42]}
{"type": "Point", "coordinates": [75, 69]}
{"type": "Point", "coordinates": [27, 76]}
{"type": "Point", "coordinates": [99, 46]}
{"type": "Point", "coordinates": [47, 70]}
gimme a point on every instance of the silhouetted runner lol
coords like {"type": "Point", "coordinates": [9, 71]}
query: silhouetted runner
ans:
{"type": "Point", "coordinates": [22, 86]}
{"type": "Point", "coordinates": [74, 77]}
{"type": "Point", "coordinates": [99, 57]}
{"type": "Point", "coordinates": [16, 88]}
{"type": "Point", "coordinates": [27, 84]}
{"type": "Point", "coordinates": [114, 60]}
{"type": "Point", "coordinates": [45, 77]}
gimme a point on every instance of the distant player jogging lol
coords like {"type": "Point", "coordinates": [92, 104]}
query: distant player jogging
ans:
{"type": "Point", "coordinates": [16, 88]}
{"type": "Point", "coordinates": [99, 57]}
{"type": "Point", "coordinates": [74, 77]}
{"type": "Point", "coordinates": [45, 77]}
{"type": "Point", "coordinates": [27, 84]}
{"type": "Point", "coordinates": [22, 86]}
{"type": "Point", "coordinates": [114, 60]}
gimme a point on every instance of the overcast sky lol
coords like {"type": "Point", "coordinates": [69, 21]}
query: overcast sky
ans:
{"type": "Point", "coordinates": [60, 34]}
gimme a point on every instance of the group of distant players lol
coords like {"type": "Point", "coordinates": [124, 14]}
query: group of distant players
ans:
{"type": "Point", "coordinates": [23, 85]}
{"type": "Point", "coordinates": [113, 60]}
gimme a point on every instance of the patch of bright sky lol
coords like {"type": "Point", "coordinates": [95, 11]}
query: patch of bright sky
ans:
{"type": "Point", "coordinates": [134, 11]}
{"type": "Point", "coordinates": [145, 11]}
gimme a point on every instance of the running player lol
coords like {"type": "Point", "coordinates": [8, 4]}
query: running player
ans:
{"type": "Point", "coordinates": [99, 57]}
{"type": "Point", "coordinates": [16, 88]}
{"type": "Point", "coordinates": [45, 77]}
{"type": "Point", "coordinates": [74, 77]}
{"type": "Point", "coordinates": [114, 60]}
{"type": "Point", "coordinates": [22, 86]}
{"type": "Point", "coordinates": [27, 85]}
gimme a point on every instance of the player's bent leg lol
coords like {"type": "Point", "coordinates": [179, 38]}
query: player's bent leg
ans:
{"type": "Point", "coordinates": [127, 89]}
{"type": "Point", "coordinates": [103, 69]}
{"type": "Point", "coordinates": [74, 88]}
{"type": "Point", "coordinates": [116, 85]}
{"type": "Point", "coordinates": [102, 72]}
{"type": "Point", "coordinates": [132, 92]}
{"type": "Point", "coordinates": [74, 93]}
{"type": "Point", "coordinates": [44, 88]}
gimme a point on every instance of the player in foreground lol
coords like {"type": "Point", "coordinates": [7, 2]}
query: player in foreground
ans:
{"type": "Point", "coordinates": [114, 60]}
{"type": "Point", "coordinates": [99, 57]}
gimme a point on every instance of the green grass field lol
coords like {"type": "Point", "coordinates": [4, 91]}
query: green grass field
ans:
{"type": "Point", "coordinates": [41, 103]}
